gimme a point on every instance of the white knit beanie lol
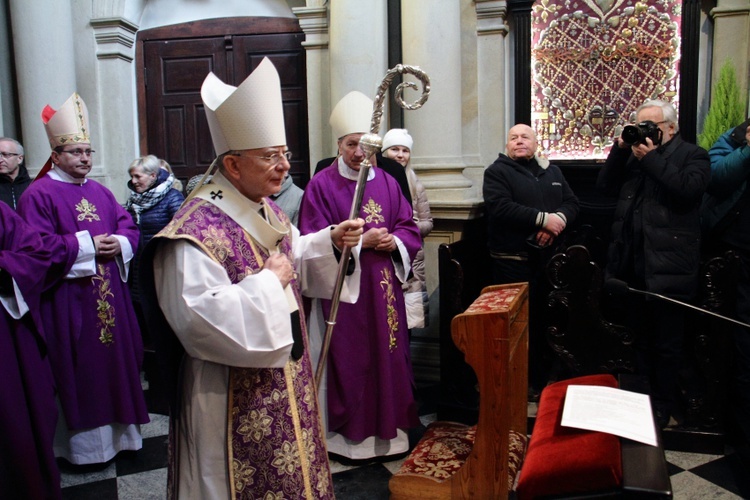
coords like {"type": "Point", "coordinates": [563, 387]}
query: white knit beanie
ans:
{"type": "Point", "coordinates": [397, 137]}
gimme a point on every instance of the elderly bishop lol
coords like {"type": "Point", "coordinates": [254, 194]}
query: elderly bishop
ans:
{"type": "Point", "coordinates": [228, 273]}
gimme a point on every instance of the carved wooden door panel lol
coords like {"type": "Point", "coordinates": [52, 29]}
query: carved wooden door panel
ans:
{"type": "Point", "coordinates": [286, 53]}
{"type": "Point", "coordinates": [175, 62]}
{"type": "Point", "coordinates": [177, 130]}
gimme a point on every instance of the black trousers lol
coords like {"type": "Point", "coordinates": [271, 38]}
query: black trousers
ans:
{"type": "Point", "coordinates": [541, 356]}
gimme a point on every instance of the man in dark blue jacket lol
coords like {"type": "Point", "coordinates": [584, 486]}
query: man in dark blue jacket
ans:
{"type": "Point", "coordinates": [656, 239]}
{"type": "Point", "coordinates": [726, 214]}
{"type": "Point", "coordinates": [529, 203]}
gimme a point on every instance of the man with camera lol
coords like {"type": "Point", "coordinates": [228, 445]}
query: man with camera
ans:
{"type": "Point", "coordinates": [659, 180]}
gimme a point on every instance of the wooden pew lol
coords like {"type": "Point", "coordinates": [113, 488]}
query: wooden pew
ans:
{"type": "Point", "coordinates": [460, 461]}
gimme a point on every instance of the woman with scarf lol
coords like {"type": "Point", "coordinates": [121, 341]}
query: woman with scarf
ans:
{"type": "Point", "coordinates": [154, 199]}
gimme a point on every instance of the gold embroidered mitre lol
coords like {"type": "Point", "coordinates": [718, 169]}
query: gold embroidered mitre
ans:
{"type": "Point", "coordinates": [69, 124]}
{"type": "Point", "coordinates": [249, 116]}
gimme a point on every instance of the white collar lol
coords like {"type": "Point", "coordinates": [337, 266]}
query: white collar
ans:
{"type": "Point", "coordinates": [59, 174]}
{"type": "Point", "coordinates": [349, 173]}
{"type": "Point", "coordinates": [244, 211]}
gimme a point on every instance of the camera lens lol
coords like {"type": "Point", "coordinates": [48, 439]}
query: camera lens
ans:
{"type": "Point", "coordinates": [631, 135]}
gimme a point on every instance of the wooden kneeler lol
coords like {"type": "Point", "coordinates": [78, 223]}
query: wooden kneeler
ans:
{"type": "Point", "coordinates": [458, 461]}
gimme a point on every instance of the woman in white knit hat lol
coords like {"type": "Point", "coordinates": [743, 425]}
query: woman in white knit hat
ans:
{"type": "Point", "coordinates": [397, 144]}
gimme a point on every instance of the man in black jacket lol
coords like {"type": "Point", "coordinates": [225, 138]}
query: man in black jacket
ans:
{"type": "Point", "coordinates": [14, 179]}
{"type": "Point", "coordinates": [656, 239]}
{"type": "Point", "coordinates": [529, 203]}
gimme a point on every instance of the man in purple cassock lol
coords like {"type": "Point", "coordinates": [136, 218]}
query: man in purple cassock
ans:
{"type": "Point", "coordinates": [28, 413]}
{"type": "Point", "coordinates": [94, 343]}
{"type": "Point", "coordinates": [368, 383]}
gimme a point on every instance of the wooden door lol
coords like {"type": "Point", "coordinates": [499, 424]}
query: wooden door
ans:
{"type": "Point", "coordinates": [175, 61]}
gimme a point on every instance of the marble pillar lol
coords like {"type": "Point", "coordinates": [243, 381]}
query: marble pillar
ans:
{"type": "Point", "coordinates": [44, 52]}
{"type": "Point", "coordinates": [313, 19]}
{"type": "Point", "coordinates": [491, 77]}
{"type": "Point", "coordinates": [358, 51]}
{"type": "Point", "coordinates": [430, 32]}
{"type": "Point", "coordinates": [113, 65]}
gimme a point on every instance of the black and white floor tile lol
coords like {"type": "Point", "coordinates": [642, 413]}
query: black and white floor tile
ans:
{"type": "Point", "coordinates": [142, 475]}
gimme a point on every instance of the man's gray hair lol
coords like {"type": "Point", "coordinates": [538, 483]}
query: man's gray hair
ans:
{"type": "Point", "coordinates": [667, 110]}
{"type": "Point", "coordinates": [18, 144]}
{"type": "Point", "coordinates": [149, 163]}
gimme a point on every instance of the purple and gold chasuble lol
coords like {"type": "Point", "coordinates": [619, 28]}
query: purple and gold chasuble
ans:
{"type": "Point", "coordinates": [275, 444]}
{"type": "Point", "coordinates": [369, 375]}
{"type": "Point", "coordinates": [94, 341]}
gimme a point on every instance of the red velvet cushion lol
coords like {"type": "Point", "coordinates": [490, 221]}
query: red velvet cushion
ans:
{"type": "Point", "coordinates": [564, 460]}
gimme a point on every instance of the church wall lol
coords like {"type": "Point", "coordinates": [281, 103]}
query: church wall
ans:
{"type": "Point", "coordinates": [91, 51]}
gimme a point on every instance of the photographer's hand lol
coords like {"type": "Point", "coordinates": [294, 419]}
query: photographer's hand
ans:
{"type": "Point", "coordinates": [642, 149]}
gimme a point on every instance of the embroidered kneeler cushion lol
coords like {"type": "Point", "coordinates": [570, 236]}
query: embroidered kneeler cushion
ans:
{"type": "Point", "coordinates": [563, 460]}
{"type": "Point", "coordinates": [445, 446]}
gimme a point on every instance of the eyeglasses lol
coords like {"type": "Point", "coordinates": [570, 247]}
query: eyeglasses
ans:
{"type": "Point", "coordinates": [79, 152]}
{"type": "Point", "coordinates": [272, 160]}
{"type": "Point", "coordinates": [8, 156]}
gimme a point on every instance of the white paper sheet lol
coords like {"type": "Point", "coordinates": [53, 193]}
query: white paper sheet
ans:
{"type": "Point", "coordinates": [606, 409]}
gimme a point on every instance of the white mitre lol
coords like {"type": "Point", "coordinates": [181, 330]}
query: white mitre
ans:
{"type": "Point", "coordinates": [249, 116]}
{"type": "Point", "coordinates": [352, 115]}
{"type": "Point", "coordinates": [69, 124]}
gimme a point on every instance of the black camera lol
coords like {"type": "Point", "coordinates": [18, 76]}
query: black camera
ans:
{"type": "Point", "coordinates": [637, 134]}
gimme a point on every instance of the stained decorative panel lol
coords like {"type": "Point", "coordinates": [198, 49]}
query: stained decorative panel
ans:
{"type": "Point", "coordinates": [593, 63]}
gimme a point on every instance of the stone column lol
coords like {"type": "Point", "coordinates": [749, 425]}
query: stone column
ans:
{"type": "Point", "coordinates": [438, 127]}
{"type": "Point", "coordinates": [313, 19]}
{"type": "Point", "coordinates": [45, 67]}
{"type": "Point", "coordinates": [358, 51]}
{"type": "Point", "coordinates": [491, 77]}
{"type": "Point", "coordinates": [115, 37]}
{"type": "Point", "coordinates": [732, 39]}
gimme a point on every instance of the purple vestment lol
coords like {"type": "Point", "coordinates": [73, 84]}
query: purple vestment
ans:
{"type": "Point", "coordinates": [95, 344]}
{"type": "Point", "coordinates": [28, 413]}
{"type": "Point", "coordinates": [369, 369]}
{"type": "Point", "coordinates": [275, 445]}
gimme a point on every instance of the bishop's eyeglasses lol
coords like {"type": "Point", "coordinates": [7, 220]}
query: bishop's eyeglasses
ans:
{"type": "Point", "coordinates": [272, 160]}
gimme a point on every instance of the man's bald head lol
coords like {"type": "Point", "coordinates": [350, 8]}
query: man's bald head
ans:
{"type": "Point", "coordinates": [521, 142]}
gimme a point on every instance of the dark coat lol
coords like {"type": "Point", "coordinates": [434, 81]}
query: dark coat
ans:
{"type": "Point", "coordinates": [515, 194]}
{"type": "Point", "coordinates": [11, 190]}
{"type": "Point", "coordinates": [656, 221]}
{"type": "Point", "coordinates": [152, 221]}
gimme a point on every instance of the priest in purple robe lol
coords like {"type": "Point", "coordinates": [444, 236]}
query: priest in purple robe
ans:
{"type": "Point", "coordinates": [95, 346]}
{"type": "Point", "coordinates": [228, 274]}
{"type": "Point", "coordinates": [28, 413]}
{"type": "Point", "coordinates": [368, 383]}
